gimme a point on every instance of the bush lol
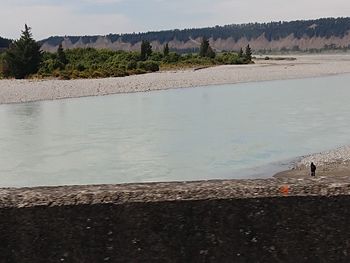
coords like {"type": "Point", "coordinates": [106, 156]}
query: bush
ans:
{"type": "Point", "coordinates": [49, 65]}
{"type": "Point", "coordinates": [229, 58]}
{"type": "Point", "coordinates": [139, 71]}
{"type": "Point", "coordinates": [65, 75]}
{"type": "Point", "coordinates": [93, 63]}
{"type": "Point", "coordinates": [131, 65]}
{"type": "Point", "coordinates": [118, 73]}
{"type": "Point", "coordinates": [156, 56]}
{"type": "Point", "coordinates": [149, 65]}
{"type": "Point", "coordinates": [80, 67]}
{"type": "Point", "coordinates": [172, 58]}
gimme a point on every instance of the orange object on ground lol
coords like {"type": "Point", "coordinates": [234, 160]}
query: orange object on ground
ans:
{"type": "Point", "coordinates": [284, 189]}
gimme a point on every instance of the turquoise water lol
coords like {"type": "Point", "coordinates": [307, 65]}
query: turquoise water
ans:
{"type": "Point", "coordinates": [228, 131]}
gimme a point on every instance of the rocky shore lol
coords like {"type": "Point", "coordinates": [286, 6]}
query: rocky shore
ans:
{"type": "Point", "coordinates": [333, 163]}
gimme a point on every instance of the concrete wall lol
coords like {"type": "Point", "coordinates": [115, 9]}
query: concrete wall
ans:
{"type": "Point", "coordinates": [219, 221]}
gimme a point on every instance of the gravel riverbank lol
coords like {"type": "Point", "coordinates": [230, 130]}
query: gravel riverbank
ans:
{"type": "Point", "coordinates": [15, 91]}
{"type": "Point", "coordinates": [333, 163]}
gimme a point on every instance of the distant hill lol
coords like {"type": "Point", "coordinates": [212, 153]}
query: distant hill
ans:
{"type": "Point", "coordinates": [4, 43]}
{"type": "Point", "coordinates": [329, 33]}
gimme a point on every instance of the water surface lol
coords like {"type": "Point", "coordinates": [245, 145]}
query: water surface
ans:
{"type": "Point", "coordinates": [216, 132]}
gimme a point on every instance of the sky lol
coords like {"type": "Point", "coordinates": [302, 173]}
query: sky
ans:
{"type": "Point", "coordinates": [101, 17]}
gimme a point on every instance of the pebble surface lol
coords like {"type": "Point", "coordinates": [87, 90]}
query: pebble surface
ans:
{"type": "Point", "coordinates": [339, 156]}
{"type": "Point", "coordinates": [177, 191]}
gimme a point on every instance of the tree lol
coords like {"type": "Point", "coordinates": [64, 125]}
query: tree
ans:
{"type": "Point", "coordinates": [61, 56]}
{"type": "Point", "coordinates": [4, 43]}
{"type": "Point", "coordinates": [240, 53]}
{"type": "Point", "coordinates": [146, 49]}
{"type": "Point", "coordinates": [166, 50]}
{"type": "Point", "coordinates": [205, 49]}
{"type": "Point", "coordinates": [248, 53]}
{"type": "Point", "coordinates": [24, 55]}
{"type": "Point", "coordinates": [210, 53]}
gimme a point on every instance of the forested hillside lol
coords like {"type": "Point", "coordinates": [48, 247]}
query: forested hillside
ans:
{"type": "Point", "coordinates": [328, 32]}
{"type": "Point", "coordinates": [4, 43]}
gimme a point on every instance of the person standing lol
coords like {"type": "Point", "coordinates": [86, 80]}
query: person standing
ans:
{"type": "Point", "coordinates": [313, 169]}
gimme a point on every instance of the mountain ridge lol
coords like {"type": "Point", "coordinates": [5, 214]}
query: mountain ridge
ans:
{"type": "Point", "coordinates": [329, 33]}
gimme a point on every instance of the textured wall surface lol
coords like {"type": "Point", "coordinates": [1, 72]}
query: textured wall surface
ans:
{"type": "Point", "coordinates": [219, 221]}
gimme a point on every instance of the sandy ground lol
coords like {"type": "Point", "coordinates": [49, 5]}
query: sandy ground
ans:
{"type": "Point", "coordinates": [14, 91]}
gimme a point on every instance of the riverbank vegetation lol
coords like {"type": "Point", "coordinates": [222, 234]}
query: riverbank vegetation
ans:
{"type": "Point", "coordinates": [24, 59]}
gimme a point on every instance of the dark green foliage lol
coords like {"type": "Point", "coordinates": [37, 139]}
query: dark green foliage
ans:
{"type": "Point", "coordinates": [132, 64]}
{"type": "Point", "coordinates": [248, 53]}
{"type": "Point", "coordinates": [24, 56]}
{"type": "Point", "coordinates": [166, 50]}
{"type": "Point", "coordinates": [61, 56]}
{"type": "Point", "coordinates": [210, 53]}
{"type": "Point", "coordinates": [156, 56]}
{"type": "Point", "coordinates": [4, 43]}
{"type": "Point", "coordinates": [93, 63]}
{"type": "Point", "coordinates": [173, 57]}
{"type": "Point", "coordinates": [3, 67]}
{"type": "Point", "coordinates": [230, 58]}
{"type": "Point", "coordinates": [150, 66]}
{"type": "Point", "coordinates": [203, 50]}
{"type": "Point", "coordinates": [146, 49]}
{"type": "Point", "coordinates": [240, 53]}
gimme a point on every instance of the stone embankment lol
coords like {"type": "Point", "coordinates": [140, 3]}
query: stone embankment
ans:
{"type": "Point", "coordinates": [274, 220]}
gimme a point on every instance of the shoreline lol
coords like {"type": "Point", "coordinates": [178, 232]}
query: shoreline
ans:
{"type": "Point", "coordinates": [333, 163]}
{"type": "Point", "coordinates": [306, 66]}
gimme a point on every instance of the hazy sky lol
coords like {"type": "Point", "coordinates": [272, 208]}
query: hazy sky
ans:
{"type": "Point", "coordinates": [89, 17]}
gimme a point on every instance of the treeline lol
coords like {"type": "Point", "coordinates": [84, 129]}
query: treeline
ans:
{"type": "Point", "coordinates": [4, 43]}
{"type": "Point", "coordinates": [324, 27]}
{"type": "Point", "coordinates": [25, 59]}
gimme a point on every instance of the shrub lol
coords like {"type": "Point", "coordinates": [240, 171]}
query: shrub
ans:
{"type": "Point", "coordinates": [65, 75]}
{"type": "Point", "coordinates": [149, 65]}
{"type": "Point", "coordinates": [131, 65]}
{"type": "Point", "coordinates": [139, 71]}
{"type": "Point", "coordinates": [172, 58]}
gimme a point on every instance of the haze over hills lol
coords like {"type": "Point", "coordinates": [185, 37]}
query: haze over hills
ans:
{"type": "Point", "coordinates": [329, 33]}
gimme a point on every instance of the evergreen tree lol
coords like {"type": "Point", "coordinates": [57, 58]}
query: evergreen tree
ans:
{"type": "Point", "coordinates": [4, 43]}
{"type": "Point", "coordinates": [203, 50]}
{"type": "Point", "coordinates": [248, 53]}
{"type": "Point", "coordinates": [146, 49]}
{"type": "Point", "coordinates": [206, 50]}
{"type": "Point", "coordinates": [210, 53]}
{"type": "Point", "coordinates": [166, 50]}
{"type": "Point", "coordinates": [24, 55]}
{"type": "Point", "coordinates": [61, 56]}
{"type": "Point", "coordinates": [240, 53]}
